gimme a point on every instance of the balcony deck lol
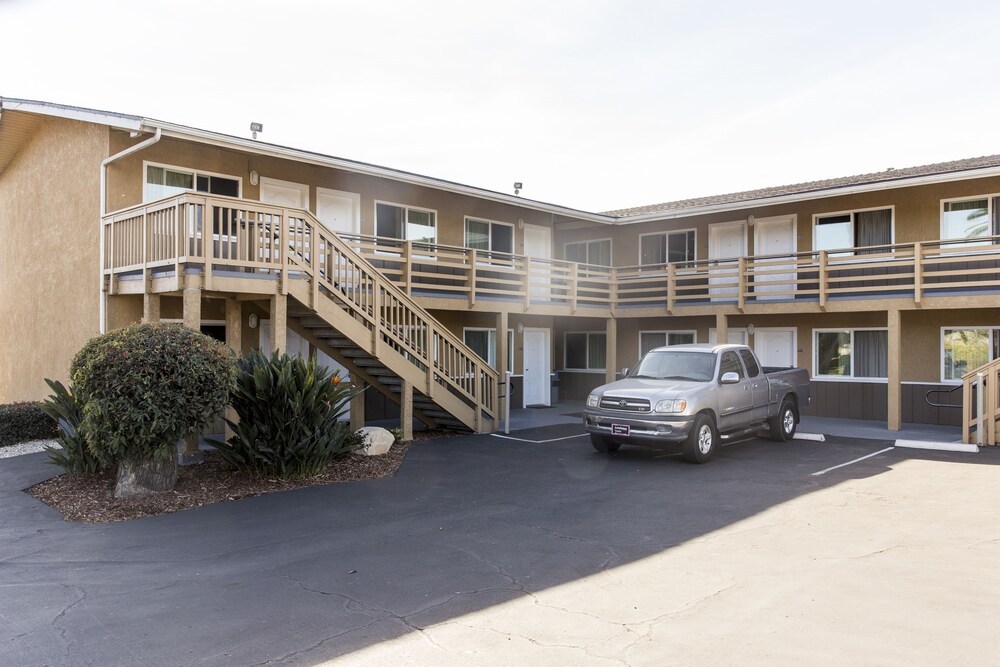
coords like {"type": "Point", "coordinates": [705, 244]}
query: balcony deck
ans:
{"type": "Point", "coordinates": [161, 240]}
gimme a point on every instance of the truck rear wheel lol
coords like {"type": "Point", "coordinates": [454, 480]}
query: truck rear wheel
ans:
{"type": "Point", "coordinates": [703, 440]}
{"type": "Point", "coordinates": [783, 426]}
{"type": "Point", "coordinates": [603, 443]}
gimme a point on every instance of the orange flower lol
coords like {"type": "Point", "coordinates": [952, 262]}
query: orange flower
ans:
{"type": "Point", "coordinates": [335, 379]}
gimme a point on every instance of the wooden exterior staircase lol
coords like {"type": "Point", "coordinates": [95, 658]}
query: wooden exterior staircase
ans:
{"type": "Point", "coordinates": [333, 296]}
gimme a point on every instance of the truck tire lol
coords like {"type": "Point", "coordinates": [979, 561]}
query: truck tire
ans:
{"type": "Point", "coordinates": [602, 443]}
{"type": "Point", "coordinates": [703, 440]}
{"type": "Point", "coordinates": [783, 426]}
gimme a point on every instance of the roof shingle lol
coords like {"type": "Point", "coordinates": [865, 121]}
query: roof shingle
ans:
{"type": "Point", "coordinates": [813, 186]}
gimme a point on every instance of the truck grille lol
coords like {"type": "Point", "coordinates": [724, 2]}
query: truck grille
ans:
{"type": "Point", "coordinates": [625, 404]}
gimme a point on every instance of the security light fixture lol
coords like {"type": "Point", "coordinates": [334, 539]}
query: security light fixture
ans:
{"type": "Point", "coordinates": [255, 128]}
{"type": "Point", "coordinates": [517, 187]}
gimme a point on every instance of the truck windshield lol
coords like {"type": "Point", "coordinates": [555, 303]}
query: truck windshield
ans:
{"type": "Point", "coordinates": [668, 365]}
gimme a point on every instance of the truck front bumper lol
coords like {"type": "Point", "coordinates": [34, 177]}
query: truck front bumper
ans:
{"type": "Point", "coordinates": [646, 430]}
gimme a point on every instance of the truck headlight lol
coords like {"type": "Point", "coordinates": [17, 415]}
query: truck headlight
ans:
{"type": "Point", "coordinates": [593, 400]}
{"type": "Point", "coordinates": [671, 405]}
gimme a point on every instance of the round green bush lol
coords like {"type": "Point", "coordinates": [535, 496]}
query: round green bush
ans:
{"type": "Point", "coordinates": [147, 386]}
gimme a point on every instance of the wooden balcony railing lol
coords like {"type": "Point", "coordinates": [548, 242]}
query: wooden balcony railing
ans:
{"type": "Point", "coordinates": [913, 270]}
{"type": "Point", "coordinates": [981, 404]}
{"type": "Point", "coordinates": [907, 270]}
{"type": "Point", "coordinates": [436, 270]}
{"type": "Point", "coordinates": [240, 237]}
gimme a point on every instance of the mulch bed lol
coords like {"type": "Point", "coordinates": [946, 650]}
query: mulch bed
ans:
{"type": "Point", "coordinates": [89, 499]}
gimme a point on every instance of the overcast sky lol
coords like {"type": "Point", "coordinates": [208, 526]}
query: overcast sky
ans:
{"type": "Point", "coordinates": [592, 104]}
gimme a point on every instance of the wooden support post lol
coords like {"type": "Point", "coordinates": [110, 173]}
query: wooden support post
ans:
{"type": "Point", "coordinates": [918, 272]}
{"type": "Point", "coordinates": [150, 308]}
{"type": "Point", "coordinates": [503, 353]}
{"type": "Point", "coordinates": [823, 286]}
{"type": "Point", "coordinates": [407, 260]}
{"type": "Point", "coordinates": [610, 354]}
{"type": "Point", "coordinates": [671, 287]}
{"type": "Point", "coordinates": [741, 283]}
{"type": "Point", "coordinates": [574, 279]}
{"type": "Point", "coordinates": [894, 403]}
{"type": "Point", "coordinates": [472, 276]}
{"type": "Point", "coordinates": [358, 404]}
{"type": "Point", "coordinates": [721, 328]}
{"type": "Point", "coordinates": [527, 283]}
{"type": "Point", "coordinates": [406, 411]}
{"type": "Point", "coordinates": [279, 322]}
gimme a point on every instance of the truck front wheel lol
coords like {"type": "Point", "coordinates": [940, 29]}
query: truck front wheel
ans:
{"type": "Point", "coordinates": [702, 441]}
{"type": "Point", "coordinates": [603, 443]}
{"type": "Point", "coordinates": [783, 426]}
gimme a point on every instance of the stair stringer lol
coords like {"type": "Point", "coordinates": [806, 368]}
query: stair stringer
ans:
{"type": "Point", "coordinates": [356, 371]}
{"type": "Point", "coordinates": [345, 322]}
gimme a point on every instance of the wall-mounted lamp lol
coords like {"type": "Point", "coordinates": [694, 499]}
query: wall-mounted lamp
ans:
{"type": "Point", "coordinates": [252, 321]}
{"type": "Point", "coordinates": [750, 220]}
{"type": "Point", "coordinates": [254, 178]}
{"type": "Point", "coordinates": [750, 329]}
{"type": "Point", "coordinates": [520, 328]}
{"type": "Point", "coordinates": [520, 223]}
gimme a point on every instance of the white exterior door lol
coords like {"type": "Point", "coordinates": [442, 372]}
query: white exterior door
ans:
{"type": "Point", "coordinates": [774, 236]}
{"type": "Point", "coordinates": [537, 367]}
{"type": "Point", "coordinates": [538, 242]}
{"type": "Point", "coordinates": [284, 193]}
{"type": "Point", "coordinates": [727, 240]}
{"type": "Point", "coordinates": [339, 211]}
{"type": "Point", "coordinates": [775, 347]}
{"type": "Point", "coordinates": [538, 245]}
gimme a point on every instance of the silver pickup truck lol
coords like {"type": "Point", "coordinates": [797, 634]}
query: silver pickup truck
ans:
{"type": "Point", "coordinates": [696, 395]}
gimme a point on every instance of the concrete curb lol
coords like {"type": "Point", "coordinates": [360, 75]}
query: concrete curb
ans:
{"type": "Point", "coordinates": [939, 446]}
{"type": "Point", "coordinates": [814, 437]}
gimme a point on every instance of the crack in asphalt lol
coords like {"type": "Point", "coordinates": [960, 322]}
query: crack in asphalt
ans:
{"type": "Point", "coordinates": [82, 595]}
{"type": "Point", "coordinates": [353, 605]}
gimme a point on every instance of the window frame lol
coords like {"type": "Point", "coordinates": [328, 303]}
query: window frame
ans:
{"type": "Point", "coordinates": [513, 234]}
{"type": "Point", "coordinates": [587, 242]}
{"type": "Point", "coordinates": [667, 234]}
{"type": "Point", "coordinates": [566, 366]}
{"type": "Point", "coordinates": [989, 217]}
{"type": "Point", "coordinates": [146, 164]}
{"type": "Point", "coordinates": [406, 208]}
{"type": "Point", "coordinates": [839, 252]}
{"type": "Point", "coordinates": [843, 378]}
{"type": "Point", "coordinates": [510, 346]}
{"type": "Point", "coordinates": [667, 333]}
{"type": "Point", "coordinates": [993, 353]}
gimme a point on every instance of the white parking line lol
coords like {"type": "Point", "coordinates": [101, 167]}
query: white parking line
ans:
{"type": "Point", "coordinates": [881, 451]}
{"type": "Point", "coordinates": [568, 437]}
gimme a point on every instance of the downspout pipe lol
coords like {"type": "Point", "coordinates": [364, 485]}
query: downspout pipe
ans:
{"type": "Point", "coordinates": [102, 296]}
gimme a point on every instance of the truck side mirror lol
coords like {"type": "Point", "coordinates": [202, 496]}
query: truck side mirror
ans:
{"type": "Point", "coordinates": [625, 372]}
{"type": "Point", "coordinates": [730, 378]}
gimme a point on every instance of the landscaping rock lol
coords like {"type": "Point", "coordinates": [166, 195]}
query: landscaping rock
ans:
{"type": "Point", "coordinates": [377, 441]}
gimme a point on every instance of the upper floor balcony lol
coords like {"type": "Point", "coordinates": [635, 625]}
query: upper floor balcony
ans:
{"type": "Point", "coordinates": [223, 237]}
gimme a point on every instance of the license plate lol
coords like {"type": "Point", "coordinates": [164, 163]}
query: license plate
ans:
{"type": "Point", "coordinates": [620, 429]}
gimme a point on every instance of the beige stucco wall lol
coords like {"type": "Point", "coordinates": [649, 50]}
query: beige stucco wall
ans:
{"type": "Point", "coordinates": [125, 181]}
{"type": "Point", "coordinates": [49, 251]}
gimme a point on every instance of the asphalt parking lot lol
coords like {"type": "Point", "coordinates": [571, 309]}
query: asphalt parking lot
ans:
{"type": "Point", "coordinates": [537, 549]}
